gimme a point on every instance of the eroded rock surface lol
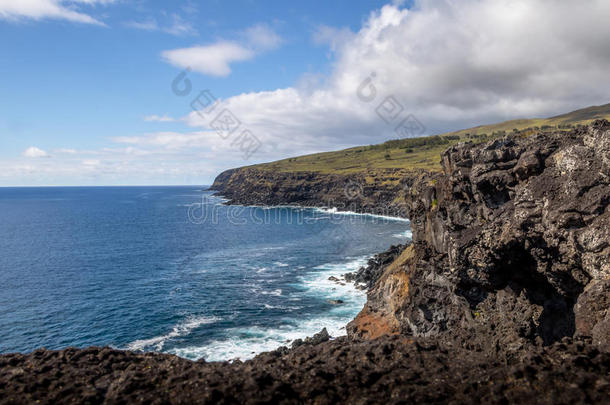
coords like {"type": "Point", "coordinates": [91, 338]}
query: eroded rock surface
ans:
{"type": "Point", "coordinates": [389, 370]}
{"type": "Point", "coordinates": [367, 276]}
{"type": "Point", "coordinates": [376, 192]}
{"type": "Point", "coordinates": [512, 246]}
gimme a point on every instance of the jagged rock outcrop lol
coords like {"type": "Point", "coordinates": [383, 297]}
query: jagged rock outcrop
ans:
{"type": "Point", "coordinates": [511, 247]}
{"type": "Point", "coordinates": [367, 276]}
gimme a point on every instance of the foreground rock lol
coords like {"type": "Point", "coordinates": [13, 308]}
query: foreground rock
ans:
{"type": "Point", "coordinates": [389, 370]}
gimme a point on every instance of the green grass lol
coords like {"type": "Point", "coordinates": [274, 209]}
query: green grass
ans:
{"type": "Point", "coordinates": [424, 153]}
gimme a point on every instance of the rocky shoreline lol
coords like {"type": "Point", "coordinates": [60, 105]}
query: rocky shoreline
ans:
{"type": "Point", "coordinates": [370, 193]}
{"type": "Point", "coordinates": [503, 297]}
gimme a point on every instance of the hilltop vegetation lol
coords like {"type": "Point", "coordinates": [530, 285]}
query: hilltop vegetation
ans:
{"type": "Point", "coordinates": [424, 152]}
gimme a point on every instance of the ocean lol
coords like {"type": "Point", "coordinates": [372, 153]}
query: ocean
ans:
{"type": "Point", "coordinates": [172, 269]}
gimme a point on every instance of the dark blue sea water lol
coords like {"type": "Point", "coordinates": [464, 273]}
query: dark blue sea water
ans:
{"type": "Point", "coordinates": [172, 269]}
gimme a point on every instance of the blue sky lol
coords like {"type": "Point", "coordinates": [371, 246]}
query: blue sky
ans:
{"type": "Point", "coordinates": [87, 96]}
{"type": "Point", "coordinates": [73, 85]}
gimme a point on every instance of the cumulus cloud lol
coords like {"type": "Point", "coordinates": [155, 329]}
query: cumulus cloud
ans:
{"type": "Point", "coordinates": [216, 59]}
{"type": "Point", "coordinates": [213, 60]}
{"type": "Point", "coordinates": [51, 9]}
{"type": "Point", "coordinates": [450, 63]}
{"type": "Point", "coordinates": [34, 152]}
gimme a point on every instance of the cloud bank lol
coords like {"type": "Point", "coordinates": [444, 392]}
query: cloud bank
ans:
{"type": "Point", "coordinates": [450, 63]}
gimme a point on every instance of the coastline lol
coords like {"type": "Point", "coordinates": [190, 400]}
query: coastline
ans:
{"type": "Point", "coordinates": [359, 278]}
{"type": "Point", "coordinates": [501, 298]}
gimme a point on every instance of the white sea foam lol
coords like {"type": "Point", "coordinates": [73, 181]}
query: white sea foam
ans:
{"type": "Point", "coordinates": [275, 293]}
{"type": "Point", "coordinates": [183, 328]}
{"type": "Point", "coordinates": [335, 211]}
{"type": "Point", "coordinates": [281, 307]}
{"type": "Point", "coordinates": [245, 343]}
{"type": "Point", "coordinates": [406, 234]}
{"type": "Point", "coordinates": [326, 210]}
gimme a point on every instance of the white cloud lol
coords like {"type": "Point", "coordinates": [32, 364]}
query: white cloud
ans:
{"type": "Point", "coordinates": [156, 158]}
{"type": "Point", "coordinates": [67, 151]}
{"type": "Point", "coordinates": [170, 140]}
{"type": "Point", "coordinates": [216, 59]}
{"type": "Point", "coordinates": [159, 118]}
{"type": "Point", "coordinates": [145, 25]}
{"type": "Point", "coordinates": [451, 63]}
{"type": "Point", "coordinates": [334, 37]}
{"type": "Point", "coordinates": [213, 60]}
{"type": "Point", "coordinates": [179, 26]}
{"type": "Point", "coordinates": [176, 25]}
{"type": "Point", "coordinates": [34, 152]}
{"type": "Point", "coordinates": [91, 162]}
{"type": "Point", "coordinates": [262, 37]}
{"type": "Point", "coordinates": [52, 9]}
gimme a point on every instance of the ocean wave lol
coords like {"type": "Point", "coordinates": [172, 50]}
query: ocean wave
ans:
{"type": "Point", "coordinates": [317, 284]}
{"type": "Point", "coordinates": [335, 211]}
{"type": "Point", "coordinates": [275, 293]}
{"type": "Point", "coordinates": [406, 234]}
{"type": "Point", "coordinates": [282, 307]}
{"type": "Point", "coordinates": [245, 343]}
{"type": "Point", "coordinates": [325, 210]}
{"type": "Point", "coordinates": [184, 328]}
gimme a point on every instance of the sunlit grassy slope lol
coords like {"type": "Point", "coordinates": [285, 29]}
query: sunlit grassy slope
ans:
{"type": "Point", "coordinates": [424, 153]}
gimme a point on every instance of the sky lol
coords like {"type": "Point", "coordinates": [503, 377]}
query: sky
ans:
{"type": "Point", "coordinates": [150, 92]}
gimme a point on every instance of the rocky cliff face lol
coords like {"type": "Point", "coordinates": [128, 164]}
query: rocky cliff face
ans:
{"type": "Point", "coordinates": [511, 247]}
{"type": "Point", "coordinates": [378, 192]}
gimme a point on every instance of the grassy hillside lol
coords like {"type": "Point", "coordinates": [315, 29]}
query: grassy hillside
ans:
{"type": "Point", "coordinates": [423, 153]}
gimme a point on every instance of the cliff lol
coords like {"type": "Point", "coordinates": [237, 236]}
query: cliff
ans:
{"type": "Point", "coordinates": [503, 297]}
{"type": "Point", "coordinates": [511, 247]}
{"type": "Point", "coordinates": [379, 192]}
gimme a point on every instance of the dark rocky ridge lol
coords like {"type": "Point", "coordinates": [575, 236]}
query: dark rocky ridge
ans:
{"type": "Point", "coordinates": [503, 297]}
{"type": "Point", "coordinates": [368, 275]}
{"type": "Point", "coordinates": [389, 370]}
{"type": "Point", "coordinates": [373, 193]}
{"type": "Point", "coordinates": [512, 246]}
